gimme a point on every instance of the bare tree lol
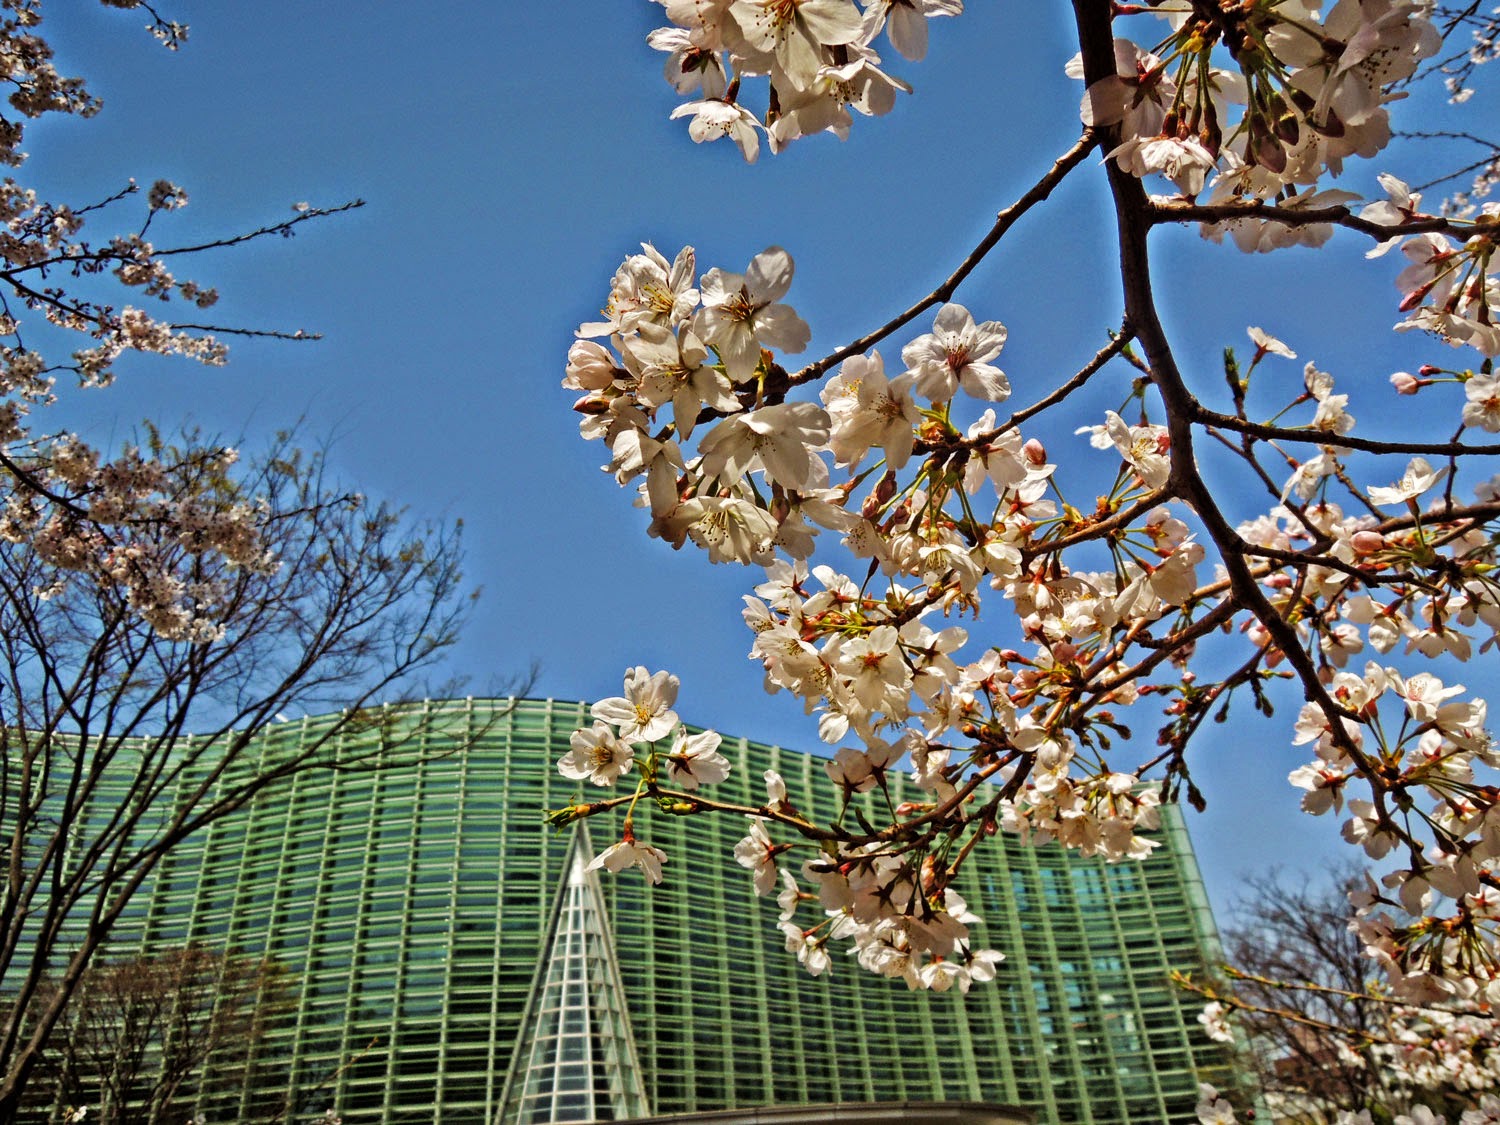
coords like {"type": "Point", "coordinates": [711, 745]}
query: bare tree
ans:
{"type": "Point", "coordinates": [119, 743]}
{"type": "Point", "coordinates": [1323, 1026]}
{"type": "Point", "coordinates": [136, 1037]}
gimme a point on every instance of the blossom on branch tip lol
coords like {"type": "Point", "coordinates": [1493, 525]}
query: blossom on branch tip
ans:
{"type": "Point", "coordinates": [630, 852]}
{"type": "Point", "coordinates": [597, 755]}
{"type": "Point", "coordinates": [757, 853]}
{"type": "Point", "coordinates": [1266, 344]}
{"type": "Point", "coordinates": [956, 353]}
{"type": "Point", "coordinates": [643, 713]}
{"type": "Point", "coordinates": [1214, 1023]}
{"type": "Point", "coordinates": [695, 760]}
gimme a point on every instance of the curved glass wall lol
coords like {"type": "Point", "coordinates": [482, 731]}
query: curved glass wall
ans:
{"type": "Point", "coordinates": [443, 939]}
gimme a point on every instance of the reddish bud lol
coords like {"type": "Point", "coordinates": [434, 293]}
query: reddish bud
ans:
{"type": "Point", "coordinates": [588, 404]}
{"type": "Point", "coordinates": [1034, 452]}
{"type": "Point", "coordinates": [1415, 297]}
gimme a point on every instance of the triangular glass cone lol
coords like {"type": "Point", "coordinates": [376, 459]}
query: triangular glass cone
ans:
{"type": "Point", "coordinates": [575, 1060]}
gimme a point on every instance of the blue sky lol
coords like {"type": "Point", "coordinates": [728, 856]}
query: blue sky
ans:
{"type": "Point", "coordinates": [510, 156]}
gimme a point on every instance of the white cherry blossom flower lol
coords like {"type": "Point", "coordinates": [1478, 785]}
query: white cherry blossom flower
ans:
{"type": "Point", "coordinates": [1144, 448]}
{"type": "Point", "coordinates": [1135, 97]}
{"type": "Point", "coordinates": [1212, 1109]}
{"type": "Point", "coordinates": [796, 32]}
{"type": "Point", "coordinates": [1266, 344]}
{"type": "Point", "coordinates": [728, 528]}
{"type": "Point", "coordinates": [631, 852]}
{"type": "Point", "coordinates": [713, 118]}
{"type": "Point", "coordinates": [779, 440]}
{"type": "Point", "coordinates": [596, 754]}
{"type": "Point", "coordinates": [647, 289]}
{"type": "Point", "coordinates": [809, 946]}
{"type": "Point", "coordinates": [1213, 1021]}
{"type": "Point", "coordinates": [954, 354]}
{"type": "Point", "coordinates": [905, 23]}
{"type": "Point", "coordinates": [672, 368]}
{"type": "Point", "coordinates": [1482, 405]}
{"type": "Point", "coordinates": [695, 760]}
{"type": "Point", "coordinates": [692, 64]}
{"type": "Point", "coordinates": [1186, 161]}
{"type": "Point", "coordinates": [1418, 478]}
{"type": "Point", "coordinates": [644, 713]}
{"type": "Point", "coordinates": [824, 104]}
{"type": "Point", "coordinates": [758, 853]}
{"type": "Point", "coordinates": [742, 314]}
{"type": "Point", "coordinates": [866, 409]}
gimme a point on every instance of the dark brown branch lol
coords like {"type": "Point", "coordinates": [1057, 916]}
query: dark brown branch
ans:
{"type": "Point", "coordinates": [1156, 214]}
{"type": "Point", "coordinates": [1209, 417]}
{"type": "Point", "coordinates": [1003, 222]}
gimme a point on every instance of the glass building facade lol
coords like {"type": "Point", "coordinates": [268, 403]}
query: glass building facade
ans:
{"type": "Point", "coordinates": [454, 960]}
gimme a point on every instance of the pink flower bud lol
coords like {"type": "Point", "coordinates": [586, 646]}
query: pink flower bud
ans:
{"type": "Point", "coordinates": [1416, 297]}
{"type": "Point", "coordinates": [1405, 383]}
{"type": "Point", "coordinates": [1035, 452]}
{"type": "Point", "coordinates": [1429, 369]}
{"type": "Point", "coordinates": [1367, 542]}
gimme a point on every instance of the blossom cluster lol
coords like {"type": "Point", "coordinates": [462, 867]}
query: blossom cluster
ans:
{"type": "Point", "coordinates": [144, 520]}
{"type": "Point", "coordinates": [639, 720]}
{"type": "Point", "coordinates": [1307, 92]}
{"type": "Point", "coordinates": [818, 57]}
{"type": "Point", "coordinates": [690, 399]}
{"type": "Point", "coordinates": [1215, 1110]}
{"type": "Point", "coordinates": [1454, 1048]}
{"type": "Point", "coordinates": [890, 500]}
{"type": "Point", "coordinates": [1303, 92]}
{"type": "Point", "coordinates": [900, 925]}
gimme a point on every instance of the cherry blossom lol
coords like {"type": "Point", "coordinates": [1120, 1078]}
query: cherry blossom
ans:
{"type": "Point", "coordinates": [631, 853]}
{"type": "Point", "coordinates": [695, 760]}
{"type": "Point", "coordinates": [996, 613]}
{"type": "Point", "coordinates": [956, 353]}
{"type": "Point", "coordinates": [643, 713]}
{"type": "Point", "coordinates": [118, 520]}
{"type": "Point", "coordinates": [741, 313]}
{"type": "Point", "coordinates": [906, 22]}
{"type": "Point", "coordinates": [596, 754]}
